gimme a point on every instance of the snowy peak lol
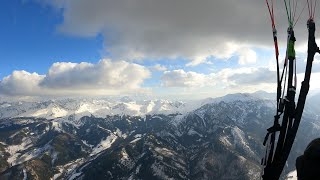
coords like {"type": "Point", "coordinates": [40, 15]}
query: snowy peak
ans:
{"type": "Point", "coordinates": [84, 107]}
{"type": "Point", "coordinates": [208, 142]}
{"type": "Point", "coordinates": [51, 111]}
{"type": "Point", "coordinates": [243, 97]}
{"type": "Point", "coordinates": [115, 106]}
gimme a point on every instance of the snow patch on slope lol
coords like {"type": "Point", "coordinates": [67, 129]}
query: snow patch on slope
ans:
{"type": "Point", "coordinates": [292, 175]}
{"type": "Point", "coordinates": [225, 140]}
{"type": "Point", "coordinates": [56, 126]}
{"type": "Point", "coordinates": [158, 170]}
{"type": "Point", "coordinates": [15, 150]}
{"type": "Point", "coordinates": [25, 176]}
{"type": "Point", "coordinates": [32, 154]}
{"type": "Point", "coordinates": [74, 176]}
{"type": "Point", "coordinates": [164, 151]}
{"type": "Point", "coordinates": [126, 160]}
{"type": "Point", "coordinates": [104, 144]}
{"type": "Point", "coordinates": [135, 140]}
{"type": "Point", "coordinates": [240, 140]}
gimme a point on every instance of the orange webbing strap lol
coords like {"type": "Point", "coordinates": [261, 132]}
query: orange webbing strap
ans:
{"type": "Point", "coordinates": [274, 30]}
{"type": "Point", "coordinates": [270, 8]}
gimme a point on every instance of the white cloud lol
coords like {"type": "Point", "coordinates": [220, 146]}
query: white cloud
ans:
{"type": "Point", "coordinates": [193, 85]}
{"type": "Point", "coordinates": [104, 74]}
{"type": "Point", "coordinates": [20, 83]}
{"type": "Point", "coordinates": [63, 78]}
{"type": "Point", "coordinates": [247, 76]}
{"type": "Point", "coordinates": [247, 56]}
{"type": "Point", "coordinates": [199, 60]}
{"type": "Point", "coordinates": [180, 78]}
{"type": "Point", "coordinates": [159, 67]}
{"type": "Point", "coordinates": [231, 79]}
{"type": "Point", "coordinates": [196, 30]}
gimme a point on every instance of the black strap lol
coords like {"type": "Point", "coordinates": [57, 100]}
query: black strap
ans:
{"type": "Point", "coordinates": [292, 115]}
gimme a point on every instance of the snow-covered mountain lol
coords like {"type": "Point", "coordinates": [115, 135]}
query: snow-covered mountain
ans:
{"type": "Point", "coordinates": [78, 108]}
{"type": "Point", "coordinates": [218, 139]}
{"type": "Point", "coordinates": [87, 107]}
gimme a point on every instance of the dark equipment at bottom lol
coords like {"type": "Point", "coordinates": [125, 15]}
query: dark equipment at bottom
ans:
{"type": "Point", "coordinates": [275, 160]}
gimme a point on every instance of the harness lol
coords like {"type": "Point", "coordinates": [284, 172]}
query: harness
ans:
{"type": "Point", "coordinates": [277, 152]}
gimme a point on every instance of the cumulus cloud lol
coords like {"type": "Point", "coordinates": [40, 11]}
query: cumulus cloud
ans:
{"type": "Point", "coordinates": [247, 56]}
{"type": "Point", "coordinates": [226, 78]}
{"type": "Point", "coordinates": [104, 78]}
{"type": "Point", "coordinates": [199, 60]}
{"type": "Point", "coordinates": [180, 78]}
{"type": "Point", "coordinates": [105, 74]}
{"type": "Point", "coordinates": [21, 83]}
{"type": "Point", "coordinates": [192, 29]}
{"type": "Point", "coordinates": [159, 67]}
{"type": "Point", "coordinates": [247, 76]}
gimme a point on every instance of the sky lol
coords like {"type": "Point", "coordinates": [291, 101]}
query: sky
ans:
{"type": "Point", "coordinates": [182, 49]}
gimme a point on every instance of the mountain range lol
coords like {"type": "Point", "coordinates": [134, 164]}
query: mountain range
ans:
{"type": "Point", "coordinates": [215, 138]}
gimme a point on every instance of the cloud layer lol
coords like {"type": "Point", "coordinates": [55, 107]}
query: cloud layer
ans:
{"type": "Point", "coordinates": [226, 78]}
{"type": "Point", "coordinates": [120, 78]}
{"type": "Point", "coordinates": [104, 78]}
{"type": "Point", "coordinates": [191, 29]}
{"type": "Point", "coordinates": [160, 29]}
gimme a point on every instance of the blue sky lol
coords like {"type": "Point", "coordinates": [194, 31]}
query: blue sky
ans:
{"type": "Point", "coordinates": [30, 41]}
{"type": "Point", "coordinates": [102, 47]}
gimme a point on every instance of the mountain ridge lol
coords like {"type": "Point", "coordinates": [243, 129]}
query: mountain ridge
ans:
{"type": "Point", "coordinates": [220, 139]}
{"type": "Point", "coordinates": [51, 109]}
